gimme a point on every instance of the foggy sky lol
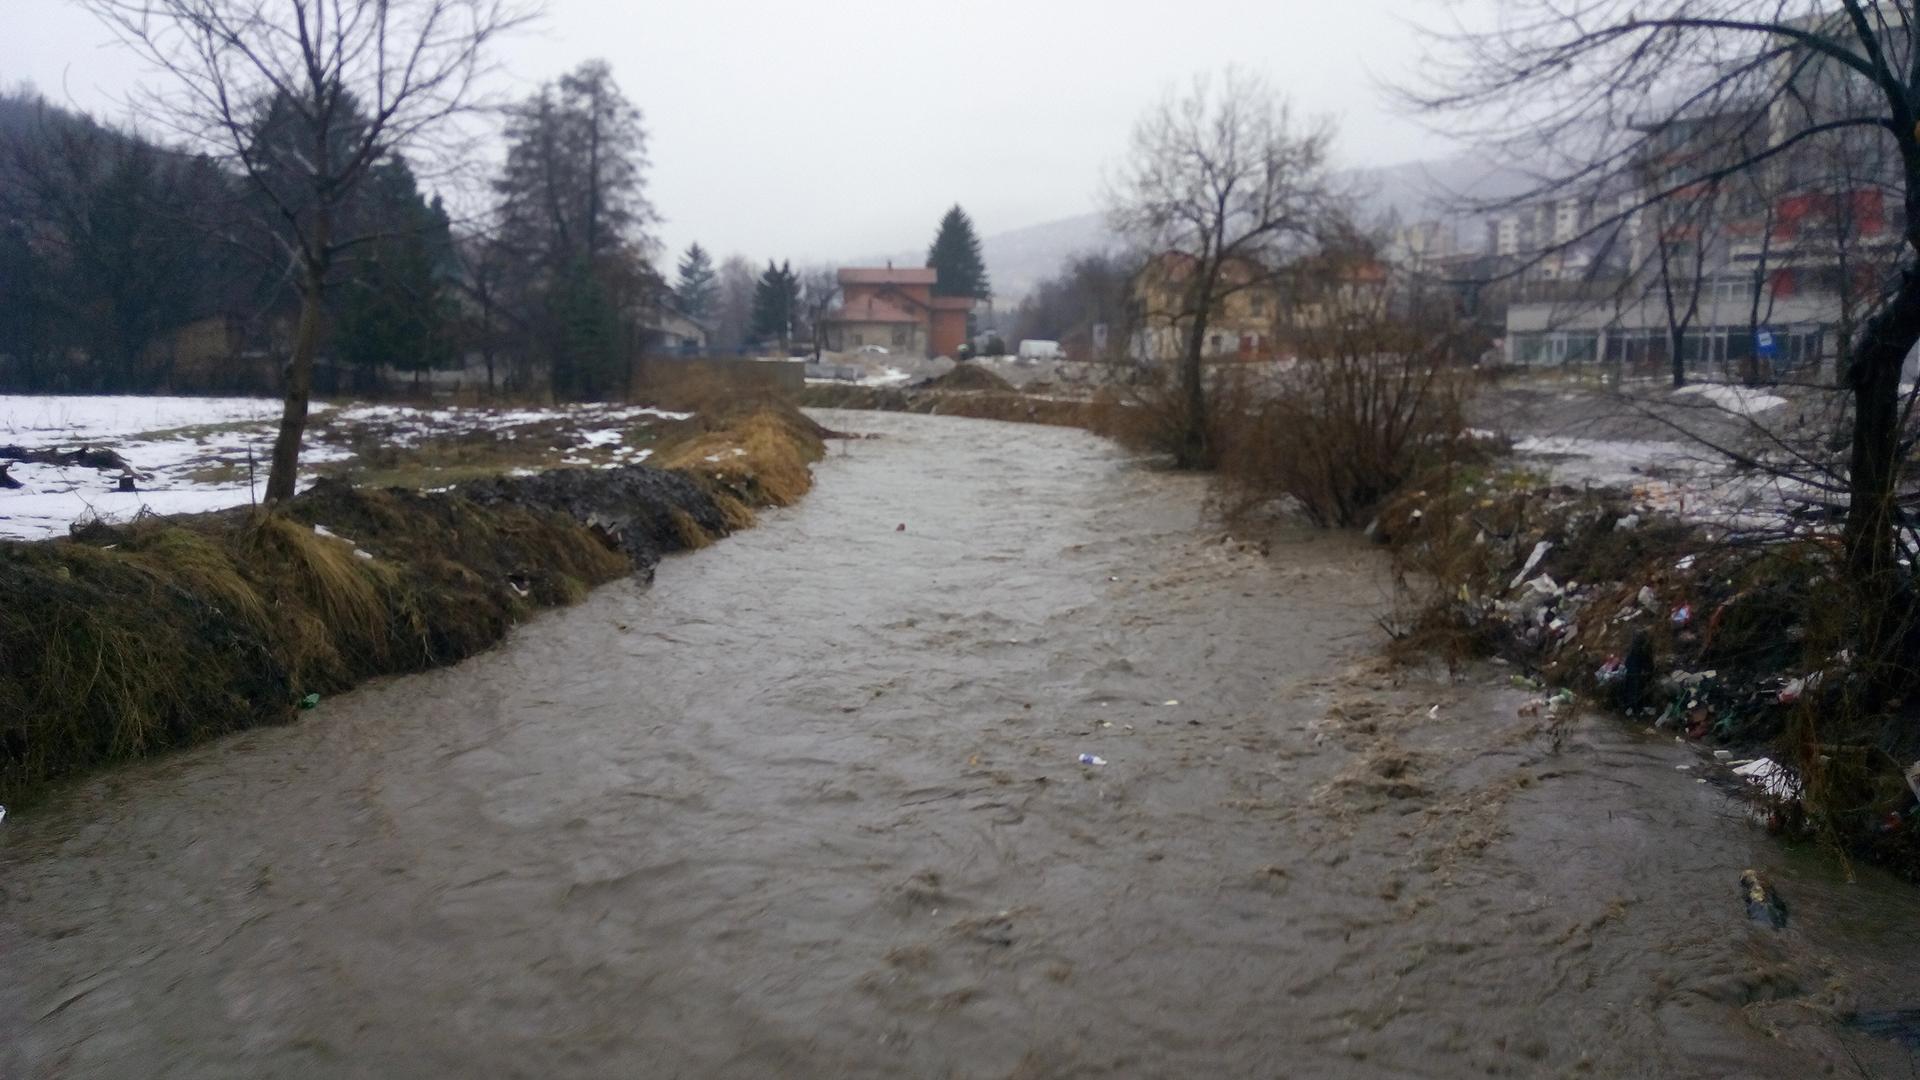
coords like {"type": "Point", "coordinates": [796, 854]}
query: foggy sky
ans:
{"type": "Point", "coordinates": [835, 129]}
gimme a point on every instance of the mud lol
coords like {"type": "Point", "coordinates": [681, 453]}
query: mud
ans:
{"type": "Point", "coordinates": [631, 506]}
{"type": "Point", "coordinates": [809, 806]}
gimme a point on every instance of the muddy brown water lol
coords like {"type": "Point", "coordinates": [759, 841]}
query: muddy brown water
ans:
{"type": "Point", "coordinates": [810, 806]}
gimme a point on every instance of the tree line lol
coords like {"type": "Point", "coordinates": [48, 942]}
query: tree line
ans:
{"type": "Point", "coordinates": [131, 265]}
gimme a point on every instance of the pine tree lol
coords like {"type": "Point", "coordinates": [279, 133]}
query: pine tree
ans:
{"type": "Point", "coordinates": [575, 180]}
{"type": "Point", "coordinates": [697, 287]}
{"type": "Point", "coordinates": [775, 300]}
{"type": "Point", "coordinates": [393, 306]}
{"type": "Point", "coordinates": [956, 255]}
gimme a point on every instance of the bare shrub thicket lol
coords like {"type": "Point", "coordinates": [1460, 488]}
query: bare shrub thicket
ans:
{"type": "Point", "coordinates": [1366, 404]}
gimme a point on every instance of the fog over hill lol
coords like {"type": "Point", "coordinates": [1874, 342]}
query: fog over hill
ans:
{"type": "Point", "coordinates": [1019, 259]}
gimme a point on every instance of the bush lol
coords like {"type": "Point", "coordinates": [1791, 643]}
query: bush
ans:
{"type": "Point", "coordinates": [1339, 429]}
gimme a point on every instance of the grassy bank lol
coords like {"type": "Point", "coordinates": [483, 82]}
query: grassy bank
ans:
{"type": "Point", "coordinates": [125, 641]}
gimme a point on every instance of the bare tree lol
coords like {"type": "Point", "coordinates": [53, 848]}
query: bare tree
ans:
{"type": "Point", "coordinates": [334, 86]}
{"type": "Point", "coordinates": [819, 287]}
{"type": "Point", "coordinates": [733, 310]}
{"type": "Point", "coordinates": [1220, 185]}
{"type": "Point", "coordinates": [1660, 100]}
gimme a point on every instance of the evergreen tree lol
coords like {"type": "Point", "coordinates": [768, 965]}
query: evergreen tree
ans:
{"type": "Point", "coordinates": [697, 287]}
{"type": "Point", "coordinates": [956, 255]}
{"type": "Point", "coordinates": [575, 179]}
{"type": "Point", "coordinates": [574, 223]}
{"type": "Point", "coordinates": [393, 308]}
{"type": "Point", "coordinates": [776, 299]}
{"type": "Point", "coordinates": [586, 343]}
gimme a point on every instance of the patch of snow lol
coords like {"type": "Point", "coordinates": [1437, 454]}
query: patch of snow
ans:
{"type": "Point", "coordinates": [66, 420]}
{"type": "Point", "coordinates": [892, 376]}
{"type": "Point", "coordinates": [165, 441]}
{"type": "Point", "coordinates": [1604, 461]}
{"type": "Point", "coordinates": [1745, 400]}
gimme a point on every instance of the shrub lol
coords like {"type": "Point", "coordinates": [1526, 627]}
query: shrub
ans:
{"type": "Point", "coordinates": [1361, 410]}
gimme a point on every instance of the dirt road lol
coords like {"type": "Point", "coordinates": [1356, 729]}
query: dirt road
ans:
{"type": "Point", "coordinates": [810, 806]}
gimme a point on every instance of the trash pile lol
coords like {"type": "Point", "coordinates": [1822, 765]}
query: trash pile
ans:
{"type": "Point", "coordinates": [1729, 647]}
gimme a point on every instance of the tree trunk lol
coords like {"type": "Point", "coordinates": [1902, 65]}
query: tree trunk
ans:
{"type": "Point", "coordinates": [1873, 376]}
{"type": "Point", "coordinates": [1192, 453]}
{"type": "Point", "coordinates": [284, 471]}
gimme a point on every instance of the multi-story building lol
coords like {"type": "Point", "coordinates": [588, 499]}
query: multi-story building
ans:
{"type": "Point", "coordinates": [1767, 267]}
{"type": "Point", "coordinates": [1259, 313]}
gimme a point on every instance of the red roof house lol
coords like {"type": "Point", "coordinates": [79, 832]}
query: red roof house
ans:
{"type": "Point", "coordinates": [896, 310]}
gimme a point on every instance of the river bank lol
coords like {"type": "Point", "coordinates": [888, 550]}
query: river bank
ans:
{"type": "Point", "coordinates": [811, 806]}
{"type": "Point", "coordinates": [1622, 548]}
{"type": "Point", "coordinates": [130, 639]}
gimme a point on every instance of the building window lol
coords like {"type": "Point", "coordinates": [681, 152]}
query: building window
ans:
{"type": "Point", "coordinates": [858, 340]}
{"type": "Point", "coordinates": [902, 336]}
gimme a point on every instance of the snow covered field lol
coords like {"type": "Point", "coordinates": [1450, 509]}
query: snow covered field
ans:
{"type": "Point", "coordinates": [1638, 441]}
{"type": "Point", "coordinates": [190, 455]}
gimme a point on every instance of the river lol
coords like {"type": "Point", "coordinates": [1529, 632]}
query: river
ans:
{"type": "Point", "coordinates": [810, 806]}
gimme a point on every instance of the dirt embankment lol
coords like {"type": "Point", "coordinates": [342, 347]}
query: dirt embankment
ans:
{"type": "Point", "coordinates": [1748, 651]}
{"type": "Point", "coordinates": [123, 641]}
{"type": "Point", "coordinates": [968, 396]}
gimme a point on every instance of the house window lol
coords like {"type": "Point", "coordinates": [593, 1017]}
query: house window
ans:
{"type": "Point", "coordinates": [1215, 345]}
{"type": "Point", "coordinates": [901, 336]}
{"type": "Point", "coordinates": [858, 340]}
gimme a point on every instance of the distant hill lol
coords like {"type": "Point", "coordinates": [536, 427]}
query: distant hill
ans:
{"type": "Point", "coordinates": [1020, 259]}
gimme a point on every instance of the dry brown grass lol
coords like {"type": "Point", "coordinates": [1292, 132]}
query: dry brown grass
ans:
{"type": "Point", "coordinates": [761, 459]}
{"type": "Point", "coordinates": [692, 536]}
{"type": "Point", "coordinates": [129, 640]}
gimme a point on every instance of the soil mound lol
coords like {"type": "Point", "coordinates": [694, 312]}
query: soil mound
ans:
{"type": "Point", "coordinates": [968, 377]}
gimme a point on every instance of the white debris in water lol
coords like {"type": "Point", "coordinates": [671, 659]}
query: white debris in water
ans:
{"type": "Point", "coordinates": [1773, 778]}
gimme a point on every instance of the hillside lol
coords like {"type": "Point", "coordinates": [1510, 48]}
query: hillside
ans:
{"type": "Point", "coordinates": [1019, 259]}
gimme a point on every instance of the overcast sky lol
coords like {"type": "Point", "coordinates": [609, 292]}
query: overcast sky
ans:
{"type": "Point", "coordinates": [833, 129]}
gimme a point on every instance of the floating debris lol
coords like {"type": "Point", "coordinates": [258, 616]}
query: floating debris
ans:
{"type": "Point", "coordinates": [1773, 778]}
{"type": "Point", "coordinates": [1763, 901]}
